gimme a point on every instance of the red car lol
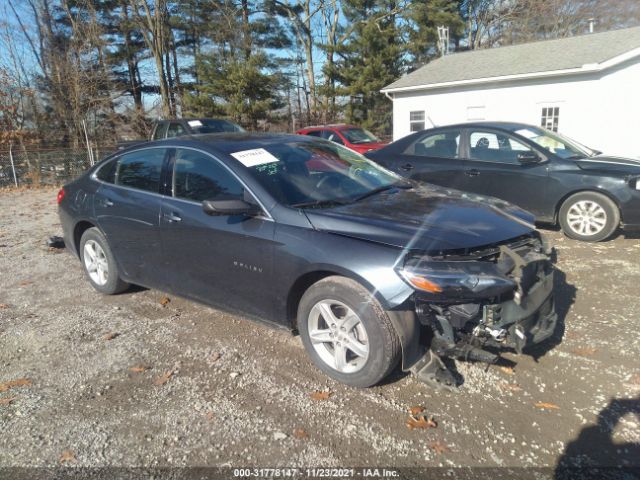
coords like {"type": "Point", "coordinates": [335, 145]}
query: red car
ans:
{"type": "Point", "coordinates": [356, 138]}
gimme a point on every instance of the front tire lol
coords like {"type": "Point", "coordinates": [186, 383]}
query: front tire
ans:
{"type": "Point", "coordinates": [347, 333]}
{"type": "Point", "coordinates": [99, 263]}
{"type": "Point", "coordinates": [589, 217]}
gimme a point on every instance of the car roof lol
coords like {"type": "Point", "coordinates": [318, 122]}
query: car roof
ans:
{"type": "Point", "coordinates": [510, 126]}
{"type": "Point", "coordinates": [334, 126]}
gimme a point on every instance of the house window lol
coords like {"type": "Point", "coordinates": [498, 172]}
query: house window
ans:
{"type": "Point", "coordinates": [416, 121]}
{"type": "Point", "coordinates": [550, 117]}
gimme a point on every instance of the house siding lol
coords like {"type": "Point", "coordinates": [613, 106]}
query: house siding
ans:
{"type": "Point", "coordinates": [600, 110]}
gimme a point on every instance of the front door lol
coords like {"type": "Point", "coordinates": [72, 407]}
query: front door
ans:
{"type": "Point", "coordinates": [127, 209]}
{"type": "Point", "coordinates": [220, 260]}
{"type": "Point", "coordinates": [497, 171]}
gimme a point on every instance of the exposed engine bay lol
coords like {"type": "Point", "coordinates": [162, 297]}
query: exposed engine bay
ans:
{"type": "Point", "coordinates": [478, 302]}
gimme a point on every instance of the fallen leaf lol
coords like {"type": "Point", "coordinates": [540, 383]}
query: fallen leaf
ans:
{"type": "Point", "coordinates": [164, 301]}
{"type": "Point", "coordinates": [3, 306]}
{"type": "Point", "coordinates": [55, 250]}
{"type": "Point", "coordinates": [7, 401]}
{"type": "Point", "coordinates": [438, 447]}
{"type": "Point", "coordinates": [210, 415]}
{"type": "Point", "coordinates": [548, 406]}
{"type": "Point", "coordinates": [584, 351]}
{"type": "Point", "coordinates": [24, 283]}
{"type": "Point", "coordinates": [139, 369]}
{"type": "Point", "coordinates": [111, 336]}
{"type": "Point", "coordinates": [215, 357]}
{"type": "Point", "coordinates": [164, 378]}
{"type": "Point", "coordinates": [507, 370]}
{"type": "Point", "coordinates": [300, 433]}
{"type": "Point", "coordinates": [318, 395]}
{"type": "Point", "coordinates": [514, 387]}
{"type": "Point", "coordinates": [420, 421]}
{"type": "Point", "coordinates": [21, 382]}
{"type": "Point", "coordinates": [67, 457]}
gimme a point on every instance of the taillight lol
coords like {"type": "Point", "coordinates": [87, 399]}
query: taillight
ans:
{"type": "Point", "coordinates": [60, 195]}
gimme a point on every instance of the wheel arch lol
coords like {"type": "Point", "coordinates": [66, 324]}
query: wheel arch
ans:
{"type": "Point", "coordinates": [78, 230]}
{"type": "Point", "coordinates": [309, 278]}
{"type": "Point", "coordinates": [607, 194]}
{"type": "Point", "coordinates": [403, 317]}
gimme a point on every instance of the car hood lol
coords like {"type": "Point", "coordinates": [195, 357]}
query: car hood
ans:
{"type": "Point", "coordinates": [426, 218]}
{"type": "Point", "coordinates": [606, 163]}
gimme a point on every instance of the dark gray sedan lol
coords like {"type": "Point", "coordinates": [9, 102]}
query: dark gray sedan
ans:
{"type": "Point", "coordinates": [312, 237]}
{"type": "Point", "coordinates": [560, 181]}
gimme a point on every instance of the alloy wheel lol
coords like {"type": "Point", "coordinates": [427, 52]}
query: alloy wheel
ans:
{"type": "Point", "coordinates": [338, 336]}
{"type": "Point", "coordinates": [95, 261]}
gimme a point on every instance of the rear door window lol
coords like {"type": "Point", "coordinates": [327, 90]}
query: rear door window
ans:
{"type": "Point", "coordinates": [199, 177]}
{"type": "Point", "coordinates": [494, 147]}
{"type": "Point", "coordinates": [141, 169]}
{"type": "Point", "coordinates": [439, 145]}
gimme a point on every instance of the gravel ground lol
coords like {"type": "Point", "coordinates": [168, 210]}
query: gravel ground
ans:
{"type": "Point", "coordinates": [132, 380]}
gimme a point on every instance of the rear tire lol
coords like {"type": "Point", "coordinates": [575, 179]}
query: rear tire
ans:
{"type": "Point", "coordinates": [347, 333]}
{"type": "Point", "coordinates": [99, 263]}
{"type": "Point", "coordinates": [589, 217]}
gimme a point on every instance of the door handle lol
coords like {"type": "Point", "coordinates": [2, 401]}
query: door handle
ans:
{"type": "Point", "coordinates": [406, 167]}
{"type": "Point", "coordinates": [171, 217]}
{"type": "Point", "coordinates": [106, 202]}
{"type": "Point", "coordinates": [472, 173]}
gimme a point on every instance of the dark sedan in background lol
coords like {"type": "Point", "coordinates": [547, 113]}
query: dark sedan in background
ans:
{"type": "Point", "coordinates": [560, 181]}
{"type": "Point", "coordinates": [310, 236]}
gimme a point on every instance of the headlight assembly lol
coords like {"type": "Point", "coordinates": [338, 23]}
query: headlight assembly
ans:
{"type": "Point", "coordinates": [457, 280]}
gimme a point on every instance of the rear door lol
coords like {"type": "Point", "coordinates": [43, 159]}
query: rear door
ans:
{"type": "Point", "coordinates": [222, 260]}
{"type": "Point", "coordinates": [433, 157]}
{"type": "Point", "coordinates": [127, 209]}
{"type": "Point", "coordinates": [497, 171]}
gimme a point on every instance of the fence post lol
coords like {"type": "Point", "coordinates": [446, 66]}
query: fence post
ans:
{"type": "Point", "coordinates": [13, 168]}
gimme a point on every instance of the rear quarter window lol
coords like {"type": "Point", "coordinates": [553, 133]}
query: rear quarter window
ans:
{"type": "Point", "coordinates": [107, 172]}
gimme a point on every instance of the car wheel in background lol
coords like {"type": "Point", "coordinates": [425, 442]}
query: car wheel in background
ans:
{"type": "Point", "coordinates": [589, 216]}
{"type": "Point", "coordinates": [99, 264]}
{"type": "Point", "coordinates": [347, 333]}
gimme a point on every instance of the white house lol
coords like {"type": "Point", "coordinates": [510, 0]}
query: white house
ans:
{"type": "Point", "coordinates": [585, 87]}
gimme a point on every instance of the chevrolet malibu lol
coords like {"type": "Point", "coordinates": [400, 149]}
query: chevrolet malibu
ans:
{"type": "Point", "coordinates": [311, 237]}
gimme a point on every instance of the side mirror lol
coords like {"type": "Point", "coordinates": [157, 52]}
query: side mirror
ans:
{"type": "Point", "coordinates": [229, 207]}
{"type": "Point", "coordinates": [528, 157]}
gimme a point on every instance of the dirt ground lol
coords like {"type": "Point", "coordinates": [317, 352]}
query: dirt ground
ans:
{"type": "Point", "coordinates": [132, 380]}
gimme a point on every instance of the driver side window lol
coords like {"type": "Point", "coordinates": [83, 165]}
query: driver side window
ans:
{"type": "Point", "coordinates": [495, 147]}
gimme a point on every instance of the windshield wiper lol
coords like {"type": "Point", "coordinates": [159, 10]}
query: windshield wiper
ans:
{"type": "Point", "coordinates": [319, 203]}
{"type": "Point", "coordinates": [375, 191]}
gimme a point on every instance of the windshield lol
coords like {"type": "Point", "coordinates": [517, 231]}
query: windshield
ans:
{"type": "Point", "coordinates": [359, 135]}
{"type": "Point", "coordinates": [555, 143]}
{"type": "Point", "coordinates": [316, 173]}
{"type": "Point", "coordinates": [214, 126]}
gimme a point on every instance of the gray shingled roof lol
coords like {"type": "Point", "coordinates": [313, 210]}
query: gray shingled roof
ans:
{"type": "Point", "coordinates": [544, 56]}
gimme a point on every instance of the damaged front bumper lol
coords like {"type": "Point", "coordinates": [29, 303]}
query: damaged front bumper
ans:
{"type": "Point", "coordinates": [511, 308]}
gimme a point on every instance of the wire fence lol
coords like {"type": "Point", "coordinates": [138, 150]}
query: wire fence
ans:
{"type": "Point", "coordinates": [46, 166]}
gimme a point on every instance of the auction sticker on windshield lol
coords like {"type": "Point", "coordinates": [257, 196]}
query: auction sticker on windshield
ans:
{"type": "Point", "coordinates": [257, 156]}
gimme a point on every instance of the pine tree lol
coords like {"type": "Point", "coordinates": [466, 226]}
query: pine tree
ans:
{"type": "Point", "coordinates": [369, 59]}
